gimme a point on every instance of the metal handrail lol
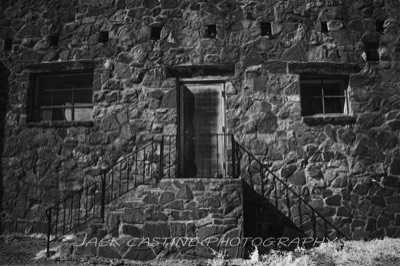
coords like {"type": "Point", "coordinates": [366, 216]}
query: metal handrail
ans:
{"type": "Point", "coordinates": [264, 168]}
{"type": "Point", "coordinates": [88, 203]}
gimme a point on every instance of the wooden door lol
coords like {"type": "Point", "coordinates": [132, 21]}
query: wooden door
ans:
{"type": "Point", "coordinates": [202, 125]}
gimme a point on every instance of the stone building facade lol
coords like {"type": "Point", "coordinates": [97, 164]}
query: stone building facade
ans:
{"type": "Point", "coordinates": [309, 87]}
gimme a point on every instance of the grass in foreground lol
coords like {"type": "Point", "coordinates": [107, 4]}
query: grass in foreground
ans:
{"type": "Point", "coordinates": [29, 250]}
{"type": "Point", "coordinates": [367, 253]}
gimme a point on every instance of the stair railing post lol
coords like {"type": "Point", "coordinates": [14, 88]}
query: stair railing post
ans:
{"type": "Point", "coordinates": [233, 156]}
{"type": "Point", "coordinates": [48, 213]}
{"type": "Point", "coordinates": [161, 158]}
{"type": "Point", "coordinates": [103, 195]}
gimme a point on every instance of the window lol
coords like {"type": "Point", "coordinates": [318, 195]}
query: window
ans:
{"type": "Point", "coordinates": [324, 95]}
{"type": "Point", "coordinates": [62, 97]}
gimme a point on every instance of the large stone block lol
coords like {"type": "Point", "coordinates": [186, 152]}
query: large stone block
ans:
{"type": "Point", "coordinates": [175, 205]}
{"type": "Point", "coordinates": [156, 229]}
{"type": "Point", "coordinates": [275, 66]}
{"type": "Point", "coordinates": [313, 171]}
{"type": "Point", "coordinates": [132, 215]}
{"type": "Point", "coordinates": [110, 124]}
{"type": "Point", "coordinates": [295, 53]}
{"type": "Point", "coordinates": [108, 251]}
{"type": "Point", "coordinates": [371, 225]}
{"type": "Point", "coordinates": [150, 199]}
{"type": "Point", "coordinates": [252, 59]}
{"type": "Point", "coordinates": [132, 230]}
{"type": "Point", "coordinates": [166, 197]}
{"type": "Point", "coordinates": [259, 83]}
{"type": "Point", "coordinates": [268, 124]}
{"type": "Point", "coordinates": [86, 250]}
{"type": "Point", "coordinates": [288, 170]}
{"type": "Point", "coordinates": [177, 229]}
{"type": "Point", "coordinates": [210, 230]}
{"type": "Point", "coordinates": [391, 181]}
{"type": "Point", "coordinates": [139, 252]}
{"type": "Point", "coordinates": [184, 193]}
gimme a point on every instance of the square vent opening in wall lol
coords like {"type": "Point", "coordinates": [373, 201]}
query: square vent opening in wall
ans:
{"type": "Point", "coordinates": [266, 28]}
{"type": "Point", "coordinates": [7, 46]}
{"type": "Point", "coordinates": [155, 33]}
{"type": "Point", "coordinates": [379, 23]}
{"type": "Point", "coordinates": [54, 40]}
{"type": "Point", "coordinates": [211, 31]}
{"type": "Point", "coordinates": [103, 37]}
{"type": "Point", "coordinates": [371, 51]}
{"type": "Point", "coordinates": [324, 27]}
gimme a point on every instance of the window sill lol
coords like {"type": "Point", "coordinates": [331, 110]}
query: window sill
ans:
{"type": "Point", "coordinates": [51, 124]}
{"type": "Point", "coordinates": [336, 119]}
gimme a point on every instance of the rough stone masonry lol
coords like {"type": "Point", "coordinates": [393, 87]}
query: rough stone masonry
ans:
{"type": "Point", "coordinates": [347, 165]}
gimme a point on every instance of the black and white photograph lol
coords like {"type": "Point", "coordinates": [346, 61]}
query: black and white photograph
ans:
{"type": "Point", "coordinates": [200, 132]}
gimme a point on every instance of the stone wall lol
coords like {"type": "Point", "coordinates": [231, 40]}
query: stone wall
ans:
{"type": "Point", "coordinates": [3, 110]}
{"type": "Point", "coordinates": [347, 166]}
{"type": "Point", "coordinates": [180, 218]}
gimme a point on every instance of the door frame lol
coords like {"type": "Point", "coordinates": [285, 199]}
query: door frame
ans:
{"type": "Point", "coordinates": [179, 82]}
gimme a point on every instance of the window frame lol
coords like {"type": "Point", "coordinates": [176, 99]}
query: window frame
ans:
{"type": "Point", "coordinates": [341, 80]}
{"type": "Point", "coordinates": [35, 92]}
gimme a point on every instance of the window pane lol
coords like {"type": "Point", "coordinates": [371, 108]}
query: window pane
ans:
{"type": "Point", "coordinates": [333, 89]}
{"type": "Point", "coordinates": [46, 115]}
{"type": "Point", "coordinates": [83, 96]}
{"type": "Point", "coordinates": [316, 106]}
{"type": "Point", "coordinates": [44, 98]}
{"type": "Point", "coordinates": [45, 83]}
{"type": "Point", "coordinates": [57, 114]}
{"type": "Point", "coordinates": [62, 97]}
{"type": "Point", "coordinates": [312, 89]}
{"type": "Point", "coordinates": [64, 82]}
{"type": "Point", "coordinates": [44, 91]}
{"type": "Point", "coordinates": [334, 105]}
{"type": "Point", "coordinates": [311, 98]}
{"type": "Point", "coordinates": [37, 115]}
{"type": "Point", "coordinates": [83, 81]}
{"type": "Point", "coordinates": [83, 114]}
{"type": "Point", "coordinates": [68, 112]}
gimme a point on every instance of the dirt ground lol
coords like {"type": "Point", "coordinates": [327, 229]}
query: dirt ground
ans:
{"type": "Point", "coordinates": [21, 250]}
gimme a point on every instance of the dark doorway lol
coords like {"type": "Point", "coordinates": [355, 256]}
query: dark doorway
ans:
{"type": "Point", "coordinates": [201, 130]}
{"type": "Point", "coordinates": [4, 73]}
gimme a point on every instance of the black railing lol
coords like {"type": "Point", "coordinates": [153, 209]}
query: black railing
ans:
{"type": "Point", "coordinates": [143, 166]}
{"type": "Point", "coordinates": [203, 156]}
{"type": "Point", "coordinates": [284, 197]}
{"type": "Point", "coordinates": [74, 211]}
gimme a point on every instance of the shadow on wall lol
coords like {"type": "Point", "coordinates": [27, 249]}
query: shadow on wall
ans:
{"type": "Point", "coordinates": [4, 73]}
{"type": "Point", "coordinates": [263, 220]}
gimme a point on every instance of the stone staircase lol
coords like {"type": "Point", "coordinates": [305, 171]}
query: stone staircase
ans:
{"type": "Point", "coordinates": [145, 216]}
{"type": "Point", "coordinates": [178, 218]}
